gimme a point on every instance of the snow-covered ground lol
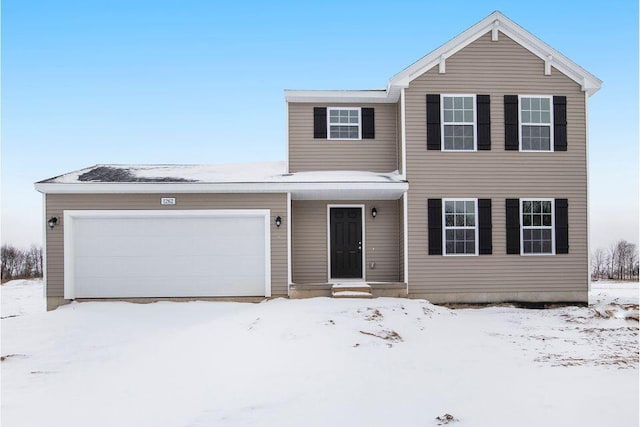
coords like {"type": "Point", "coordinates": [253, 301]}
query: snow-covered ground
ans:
{"type": "Point", "coordinates": [318, 362]}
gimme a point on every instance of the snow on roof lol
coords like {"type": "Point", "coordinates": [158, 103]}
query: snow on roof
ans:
{"type": "Point", "coordinates": [267, 172]}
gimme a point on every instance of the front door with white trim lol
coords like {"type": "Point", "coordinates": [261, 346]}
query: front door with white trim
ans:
{"type": "Point", "coordinates": [345, 242]}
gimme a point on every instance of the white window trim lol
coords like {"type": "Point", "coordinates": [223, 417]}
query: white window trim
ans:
{"type": "Point", "coordinates": [444, 227]}
{"type": "Point", "coordinates": [364, 247]}
{"type": "Point", "coordinates": [329, 109]}
{"type": "Point", "coordinates": [553, 225]}
{"type": "Point", "coordinates": [475, 121]}
{"type": "Point", "coordinates": [520, 124]}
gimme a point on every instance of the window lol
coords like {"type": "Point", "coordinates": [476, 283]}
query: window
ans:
{"type": "Point", "coordinates": [344, 123]}
{"type": "Point", "coordinates": [535, 123]}
{"type": "Point", "coordinates": [460, 232]}
{"type": "Point", "coordinates": [537, 226]}
{"type": "Point", "coordinates": [458, 123]}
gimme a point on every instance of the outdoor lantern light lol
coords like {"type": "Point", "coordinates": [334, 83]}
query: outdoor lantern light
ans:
{"type": "Point", "coordinates": [374, 212]}
{"type": "Point", "coordinates": [278, 221]}
{"type": "Point", "coordinates": [52, 222]}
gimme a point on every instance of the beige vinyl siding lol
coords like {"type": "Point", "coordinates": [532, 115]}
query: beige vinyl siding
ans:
{"type": "Point", "coordinates": [401, 239]}
{"type": "Point", "coordinates": [497, 69]}
{"type": "Point", "coordinates": [57, 203]}
{"type": "Point", "coordinates": [309, 154]}
{"type": "Point", "coordinates": [399, 137]}
{"type": "Point", "coordinates": [309, 240]}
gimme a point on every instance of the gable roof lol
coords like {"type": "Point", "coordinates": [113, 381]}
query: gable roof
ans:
{"type": "Point", "coordinates": [495, 23]}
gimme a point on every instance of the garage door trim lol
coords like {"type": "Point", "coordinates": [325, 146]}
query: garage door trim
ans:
{"type": "Point", "coordinates": [70, 215]}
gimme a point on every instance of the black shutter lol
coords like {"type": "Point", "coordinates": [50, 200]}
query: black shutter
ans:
{"type": "Point", "coordinates": [511, 139]}
{"type": "Point", "coordinates": [435, 226]}
{"type": "Point", "coordinates": [320, 122]}
{"type": "Point", "coordinates": [562, 226]}
{"type": "Point", "coordinates": [483, 115]}
{"type": "Point", "coordinates": [560, 123]}
{"type": "Point", "coordinates": [433, 122]}
{"type": "Point", "coordinates": [484, 227]}
{"type": "Point", "coordinates": [513, 226]}
{"type": "Point", "coordinates": [368, 124]}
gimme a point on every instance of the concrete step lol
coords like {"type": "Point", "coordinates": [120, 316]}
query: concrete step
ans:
{"type": "Point", "coordinates": [351, 294]}
{"type": "Point", "coordinates": [354, 287]}
{"type": "Point", "coordinates": [351, 290]}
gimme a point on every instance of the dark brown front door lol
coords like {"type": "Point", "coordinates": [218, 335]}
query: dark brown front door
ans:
{"type": "Point", "coordinates": [346, 243]}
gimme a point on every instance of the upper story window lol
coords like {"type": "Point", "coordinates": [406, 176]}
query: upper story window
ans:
{"type": "Point", "coordinates": [537, 226]}
{"type": "Point", "coordinates": [536, 125]}
{"type": "Point", "coordinates": [460, 226]}
{"type": "Point", "coordinates": [458, 123]}
{"type": "Point", "coordinates": [344, 123]}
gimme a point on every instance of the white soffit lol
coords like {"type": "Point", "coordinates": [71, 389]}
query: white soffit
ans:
{"type": "Point", "coordinates": [297, 189]}
{"type": "Point", "coordinates": [381, 96]}
{"type": "Point", "coordinates": [494, 23]}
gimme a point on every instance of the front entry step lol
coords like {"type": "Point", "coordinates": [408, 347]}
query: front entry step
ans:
{"type": "Point", "coordinates": [351, 290]}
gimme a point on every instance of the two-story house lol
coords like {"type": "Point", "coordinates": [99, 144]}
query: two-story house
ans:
{"type": "Point", "coordinates": [465, 180]}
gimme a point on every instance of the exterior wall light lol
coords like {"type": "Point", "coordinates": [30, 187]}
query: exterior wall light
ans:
{"type": "Point", "coordinates": [278, 221]}
{"type": "Point", "coordinates": [374, 212]}
{"type": "Point", "coordinates": [53, 221]}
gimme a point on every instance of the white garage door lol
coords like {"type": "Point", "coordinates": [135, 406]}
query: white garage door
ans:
{"type": "Point", "coordinates": [207, 253]}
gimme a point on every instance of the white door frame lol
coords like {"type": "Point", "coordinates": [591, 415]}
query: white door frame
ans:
{"type": "Point", "coordinates": [71, 215]}
{"type": "Point", "coordinates": [364, 248]}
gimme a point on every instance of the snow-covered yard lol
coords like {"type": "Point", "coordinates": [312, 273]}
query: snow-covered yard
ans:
{"type": "Point", "coordinates": [318, 362]}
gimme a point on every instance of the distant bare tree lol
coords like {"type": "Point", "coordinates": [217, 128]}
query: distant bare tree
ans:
{"type": "Point", "coordinates": [619, 262]}
{"type": "Point", "coordinates": [598, 263]}
{"type": "Point", "coordinates": [18, 263]}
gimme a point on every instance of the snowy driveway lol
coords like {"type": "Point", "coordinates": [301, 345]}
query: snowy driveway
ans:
{"type": "Point", "coordinates": [317, 362]}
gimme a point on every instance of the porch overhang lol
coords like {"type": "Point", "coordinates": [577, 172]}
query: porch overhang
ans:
{"type": "Point", "coordinates": [349, 191]}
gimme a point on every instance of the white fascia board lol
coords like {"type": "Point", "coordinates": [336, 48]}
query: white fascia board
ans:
{"type": "Point", "coordinates": [249, 187]}
{"type": "Point", "coordinates": [588, 82]}
{"type": "Point", "coordinates": [342, 96]}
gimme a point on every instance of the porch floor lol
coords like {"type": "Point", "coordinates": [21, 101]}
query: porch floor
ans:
{"type": "Point", "coordinates": [376, 289]}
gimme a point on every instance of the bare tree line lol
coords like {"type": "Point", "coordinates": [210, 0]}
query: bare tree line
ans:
{"type": "Point", "coordinates": [618, 262]}
{"type": "Point", "coordinates": [19, 263]}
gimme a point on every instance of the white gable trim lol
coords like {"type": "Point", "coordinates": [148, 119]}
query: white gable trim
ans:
{"type": "Point", "coordinates": [495, 23]}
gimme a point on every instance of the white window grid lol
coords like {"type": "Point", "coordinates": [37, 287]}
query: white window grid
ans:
{"type": "Point", "coordinates": [455, 227]}
{"type": "Point", "coordinates": [358, 124]}
{"type": "Point", "coordinates": [530, 123]}
{"type": "Point", "coordinates": [444, 123]}
{"type": "Point", "coordinates": [552, 227]}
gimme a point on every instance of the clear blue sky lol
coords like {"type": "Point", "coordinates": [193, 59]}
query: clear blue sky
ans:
{"type": "Point", "coordinates": [87, 82]}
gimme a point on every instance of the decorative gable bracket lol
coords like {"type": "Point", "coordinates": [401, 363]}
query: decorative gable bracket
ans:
{"type": "Point", "coordinates": [498, 23]}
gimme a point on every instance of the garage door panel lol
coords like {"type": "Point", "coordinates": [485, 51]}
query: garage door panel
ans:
{"type": "Point", "coordinates": [163, 287]}
{"type": "Point", "coordinates": [150, 226]}
{"type": "Point", "coordinates": [183, 266]}
{"type": "Point", "coordinates": [166, 246]}
{"type": "Point", "coordinates": [148, 255]}
{"type": "Point", "coordinates": [231, 238]}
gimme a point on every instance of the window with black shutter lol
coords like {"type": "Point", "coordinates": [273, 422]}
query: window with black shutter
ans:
{"type": "Point", "coordinates": [560, 123]}
{"type": "Point", "coordinates": [434, 216]}
{"type": "Point", "coordinates": [511, 127]}
{"type": "Point", "coordinates": [320, 123]}
{"type": "Point", "coordinates": [368, 123]}
{"type": "Point", "coordinates": [562, 226]}
{"type": "Point", "coordinates": [483, 125]}
{"type": "Point", "coordinates": [433, 122]}
{"type": "Point", "coordinates": [485, 237]}
{"type": "Point", "coordinates": [512, 207]}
